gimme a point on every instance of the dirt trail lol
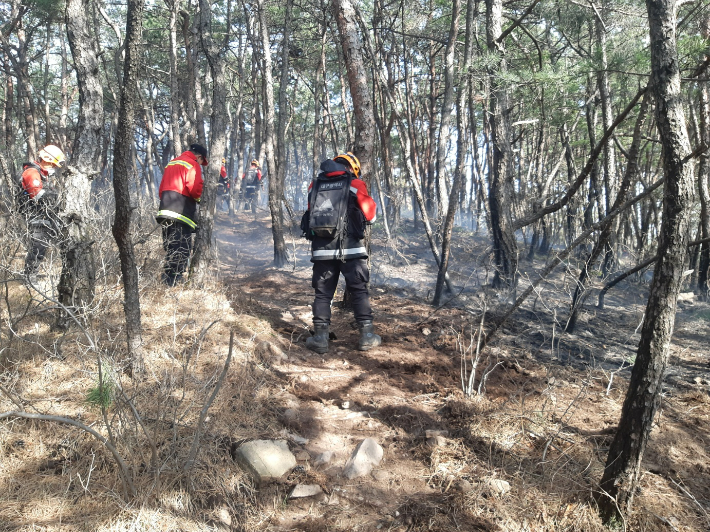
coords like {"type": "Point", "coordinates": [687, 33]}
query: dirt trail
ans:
{"type": "Point", "coordinates": [412, 383]}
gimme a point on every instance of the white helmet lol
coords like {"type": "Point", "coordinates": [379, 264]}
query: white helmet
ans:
{"type": "Point", "coordinates": [53, 155]}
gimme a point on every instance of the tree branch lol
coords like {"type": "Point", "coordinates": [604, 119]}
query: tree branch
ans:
{"type": "Point", "coordinates": [572, 190]}
{"type": "Point", "coordinates": [517, 23]}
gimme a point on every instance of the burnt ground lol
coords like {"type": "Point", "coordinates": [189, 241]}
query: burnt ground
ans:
{"type": "Point", "coordinates": [524, 451]}
{"type": "Point", "coordinates": [550, 400]}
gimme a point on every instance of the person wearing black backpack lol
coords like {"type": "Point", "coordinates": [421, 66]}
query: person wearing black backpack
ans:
{"type": "Point", "coordinates": [339, 208]}
{"type": "Point", "coordinates": [251, 183]}
{"type": "Point", "coordinates": [38, 202]}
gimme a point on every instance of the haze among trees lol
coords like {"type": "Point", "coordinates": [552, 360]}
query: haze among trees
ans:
{"type": "Point", "coordinates": [572, 137]}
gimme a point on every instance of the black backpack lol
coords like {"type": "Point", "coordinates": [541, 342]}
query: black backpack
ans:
{"type": "Point", "coordinates": [327, 217]}
{"type": "Point", "coordinates": [252, 177]}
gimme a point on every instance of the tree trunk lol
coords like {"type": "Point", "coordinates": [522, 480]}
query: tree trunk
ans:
{"type": "Point", "coordinates": [281, 156]}
{"type": "Point", "coordinates": [174, 7]}
{"type": "Point", "coordinates": [189, 130]}
{"type": "Point", "coordinates": [500, 197]}
{"type": "Point", "coordinates": [461, 144]}
{"type": "Point", "coordinates": [64, 94]}
{"type": "Point", "coordinates": [121, 228]}
{"type": "Point", "coordinates": [359, 87]}
{"type": "Point", "coordinates": [318, 145]}
{"type": "Point", "coordinates": [204, 253]}
{"type": "Point", "coordinates": [703, 287]}
{"type": "Point", "coordinates": [76, 284]}
{"type": "Point", "coordinates": [623, 465]}
{"type": "Point", "coordinates": [445, 126]}
{"type": "Point", "coordinates": [275, 185]}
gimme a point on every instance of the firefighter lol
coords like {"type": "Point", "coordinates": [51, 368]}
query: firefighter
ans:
{"type": "Point", "coordinates": [344, 254]}
{"type": "Point", "coordinates": [251, 183]}
{"type": "Point", "coordinates": [180, 192]}
{"type": "Point", "coordinates": [223, 186]}
{"type": "Point", "coordinates": [38, 201]}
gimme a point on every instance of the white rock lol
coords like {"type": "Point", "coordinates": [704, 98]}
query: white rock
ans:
{"type": "Point", "coordinates": [497, 486]}
{"type": "Point", "coordinates": [266, 460]}
{"type": "Point", "coordinates": [224, 517]}
{"type": "Point", "coordinates": [366, 455]}
{"type": "Point", "coordinates": [295, 438]}
{"type": "Point", "coordinates": [305, 490]}
{"type": "Point", "coordinates": [436, 441]}
{"type": "Point", "coordinates": [303, 456]}
{"type": "Point", "coordinates": [323, 458]}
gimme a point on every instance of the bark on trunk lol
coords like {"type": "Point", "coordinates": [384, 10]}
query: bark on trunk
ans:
{"type": "Point", "coordinates": [174, 6]}
{"type": "Point", "coordinates": [121, 228]}
{"type": "Point", "coordinates": [76, 284]}
{"type": "Point", "coordinates": [703, 287]}
{"type": "Point", "coordinates": [501, 183]}
{"type": "Point", "coordinates": [445, 127]}
{"type": "Point", "coordinates": [281, 155]}
{"type": "Point", "coordinates": [275, 186]}
{"type": "Point", "coordinates": [318, 144]}
{"type": "Point", "coordinates": [621, 473]}
{"type": "Point", "coordinates": [360, 91]}
{"type": "Point", "coordinates": [461, 144]}
{"type": "Point", "coordinates": [215, 53]}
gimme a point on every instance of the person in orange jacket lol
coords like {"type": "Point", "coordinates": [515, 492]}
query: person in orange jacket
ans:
{"type": "Point", "coordinates": [180, 192]}
{"type": "Point", "coordinates": [38, 202]}
{"type": "Point", "coordinates": [223, 186]}
{"type": "Point", "coordinates": [344, 254]}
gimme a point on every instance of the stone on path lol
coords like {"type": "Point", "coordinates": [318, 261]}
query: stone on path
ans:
{"type": "Point", "coordinates": [323, 458]}
{"type": "Point", "coordinates": [366, 455]}
{"type": "Point", "coordinates": [305, 490]}
{"type": "Point", "coordinates": [266, 460]}
{"type": "Point", "coordinates": [269, 351]}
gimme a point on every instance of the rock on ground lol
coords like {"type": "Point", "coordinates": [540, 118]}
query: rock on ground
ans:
{"type": "Point", "coordinates": [266, 460]}
{"type": "Point", "coordinates": [305, 490]}
{"type": "Point", "coordinates": [366, 455]}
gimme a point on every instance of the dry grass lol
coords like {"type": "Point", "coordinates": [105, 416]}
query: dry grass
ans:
{"type": "Point", "coordinates": [55, 477]}
{"type": "Point", "coordinates": [543, 429]}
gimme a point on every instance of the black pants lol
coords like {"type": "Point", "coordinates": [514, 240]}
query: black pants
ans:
{"type": "Point", "coordinates": [177, 243]}
{"type": "Point", "coordinates": [325, 281]}
{"type": "Point", "coordinates": [40, 239]}
{"type": "Point", "coordinates": [250, 198]}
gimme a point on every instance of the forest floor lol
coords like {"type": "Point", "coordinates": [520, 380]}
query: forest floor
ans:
{"type": "Point", "coordinates": [524, 454]}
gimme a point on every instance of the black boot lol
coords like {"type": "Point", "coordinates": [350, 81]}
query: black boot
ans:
{"type": "Point", "coordinates": [319, 341]}
{"type": "Point", "coordinates": [368, 338]}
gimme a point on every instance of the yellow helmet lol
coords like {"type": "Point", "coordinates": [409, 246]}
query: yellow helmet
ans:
{"type": "Point", "coordinates": [351, 160]}
{"type": "Point", "coordinates": [53, 155]}
{"type": "Point", "coordinates": [224, 160]}
{"type": "Point", "coordinates": [254, 162]}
